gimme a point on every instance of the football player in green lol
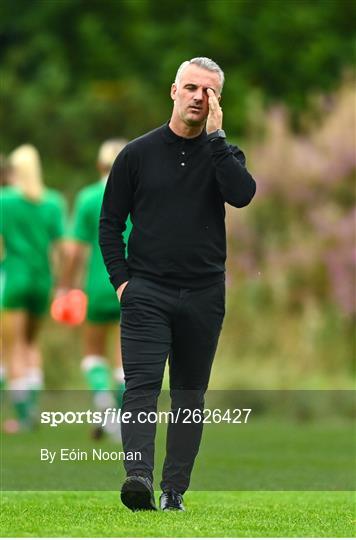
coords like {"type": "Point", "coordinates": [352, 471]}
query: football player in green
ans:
{"type": "Point", "coordinates": [4, 175]}
{"type": "Point", "coordinates": [31, 228]}
{"type": "Point", "coordinates": [103, 311]}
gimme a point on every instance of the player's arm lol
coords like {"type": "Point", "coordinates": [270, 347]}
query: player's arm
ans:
{"type": "Point", "coordinates": [68, 253]}
{"type": "Point", "coordinates": [76, 245]}
{"type": "Point", "coordinates": [72, 257]}
{"type": "Point", "coordinates": [236, 184]}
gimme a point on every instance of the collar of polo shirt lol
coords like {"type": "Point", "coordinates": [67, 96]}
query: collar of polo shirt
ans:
{"type": "Point", "coordinates": [170, 137]}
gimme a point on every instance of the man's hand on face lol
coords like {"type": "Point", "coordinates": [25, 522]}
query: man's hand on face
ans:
{"type": "Point", "coordinates": [120, 290]}
{"type": "Point", "coordinates": [215, 116]}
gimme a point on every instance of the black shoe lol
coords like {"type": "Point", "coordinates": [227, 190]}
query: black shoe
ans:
{"type": "Point", "coordinates": [137, 493]}
{"type": "Point", "coordinates": [171, 500]}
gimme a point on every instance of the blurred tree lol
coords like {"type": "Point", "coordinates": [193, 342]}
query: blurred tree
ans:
{"type": "Point", "coordinates": [75, 72]}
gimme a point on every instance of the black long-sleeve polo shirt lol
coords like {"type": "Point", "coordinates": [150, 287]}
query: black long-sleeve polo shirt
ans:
{"type": "Point", "coordinates": [174, 190]}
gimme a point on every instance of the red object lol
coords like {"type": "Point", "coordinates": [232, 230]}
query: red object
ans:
{"type": "Point", "coordinates": [70, 308]}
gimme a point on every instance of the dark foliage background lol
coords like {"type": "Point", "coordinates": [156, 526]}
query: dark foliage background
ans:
{"type": "Point", "coordinates": [77, 72]}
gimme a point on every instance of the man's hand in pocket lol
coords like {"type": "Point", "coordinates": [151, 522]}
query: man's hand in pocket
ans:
{"type": "Point", "coordinates": [120, 290]}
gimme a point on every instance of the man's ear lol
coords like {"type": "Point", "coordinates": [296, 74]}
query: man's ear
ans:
{"type": "Point", "coordinates": [173, 91]}
{"type": "Point", "coordinates": [219, 98]}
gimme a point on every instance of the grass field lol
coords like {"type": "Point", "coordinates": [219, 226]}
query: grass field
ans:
{"type": "Point", "coordinates": [262, 471]}
{"type": "Point", "coordinates": [212, 514]}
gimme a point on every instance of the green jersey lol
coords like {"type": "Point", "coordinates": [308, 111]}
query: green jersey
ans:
{"type": "Point", "coordinates": [28, 229]}
{"type": "Point", "coordinates": [85, 228]}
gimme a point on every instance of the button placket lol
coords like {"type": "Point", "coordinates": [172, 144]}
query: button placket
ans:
{"type": "Point", "coordinates": [183, 157]}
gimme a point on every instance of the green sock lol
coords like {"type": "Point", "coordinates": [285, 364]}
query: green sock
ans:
{"type": "Point", "coordinates": [98, 377]}
{"type": "Point", "coordinates": [2, 378]}
{"type": "Point", "coordinates": [35, 386]}
{"type": "Point", "coordinates": [119, 393]}
{"type": "Point", "coordinates": [32, 402]}
{"type": "Point", "coordinates": [22, 412]}
{"type": "Point", "coordinates": [20, 402]}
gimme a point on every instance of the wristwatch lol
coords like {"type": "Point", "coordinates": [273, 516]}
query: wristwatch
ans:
{"type": "Point", "coordinates": [218, 134]}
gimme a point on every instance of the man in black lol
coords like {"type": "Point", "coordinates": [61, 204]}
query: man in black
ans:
{"type": "Point", "coordinates": [174, 182]}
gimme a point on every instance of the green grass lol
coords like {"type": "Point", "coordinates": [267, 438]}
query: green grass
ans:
{"type": "Point", "coordinates": [212, 514]}
{"type": "Point", "coordinates": [264, 455]}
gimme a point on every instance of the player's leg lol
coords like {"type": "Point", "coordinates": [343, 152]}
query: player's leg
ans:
{"type": "Point", "coordinates": [146, 340]}
{"type": "Point", "coordinates": [14, 327]}
{"type": "Point", "coordinates": [104, 308]}
{"type": "Point", "coordinates": [25, 301]}
{"type": "Point", "coordinates": [104, 311]}
{"type": "Point", "coordinates": [196, 332]}
{"type": "Point", "coordinates": [2, 375]}
{"type": "Point", "coordinates": [102, 314]}
{"type": "Point", "coordinates": [118, 382]}
{"type": "Point", "coordinates": [2, 362]}
{"type": "Point", "coordinates": [95, 365]}
{"type": "Point", "coordinates": [38, 299]}
{"type": "Point", "coordinates": [34, 360]}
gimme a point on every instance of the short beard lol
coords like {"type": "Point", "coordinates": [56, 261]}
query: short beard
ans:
{"type": "Point", "coordinates": [193, 123]}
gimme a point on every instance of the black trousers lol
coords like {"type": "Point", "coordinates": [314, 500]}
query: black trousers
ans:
{"type": "Point", "coordinates": [160, 321]}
